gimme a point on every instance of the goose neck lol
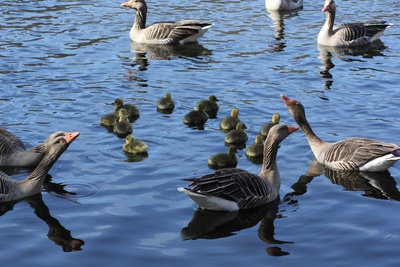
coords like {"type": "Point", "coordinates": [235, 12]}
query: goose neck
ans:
{"type": "Point", "coordinates": [140, 19]}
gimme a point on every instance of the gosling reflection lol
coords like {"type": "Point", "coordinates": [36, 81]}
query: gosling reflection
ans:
{"type": "Point", "coordinates": [347, 54]}
{"type": "Point", "coordinates": [218, 224]}
{"type": "Point", "coordinates": [379, 185]}
{"type": "Point", "coordinates": [57, 233]}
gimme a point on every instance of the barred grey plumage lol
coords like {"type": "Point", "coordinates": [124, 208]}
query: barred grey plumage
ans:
{"type": "Point", "coordinates": [348, 34]}
{"type": "Point", "coordinates": [354, 153]}
{"type": "Point", "coordinates": [165, 33]}
{"type": "Point", "coordinates": [233, 189]}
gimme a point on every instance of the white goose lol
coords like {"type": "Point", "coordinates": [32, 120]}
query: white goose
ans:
{"type": "Point", "coordinates": [283, 4]}
{"type": "Point", "coordinates": [354, 153]}
{"type": "Point", "coordinates": [348, 34]}
{"type": "Point", "coordinates": [234, 189]}
{"type": "Point", "coordinates": [11, 189]}
{"type": "Point", "coordinates": [179, 32]}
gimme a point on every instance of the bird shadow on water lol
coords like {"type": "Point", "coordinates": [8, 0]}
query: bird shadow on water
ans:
{"type": "Point", "coordinates": [346, 54]}
{"type": "Point", "coordinates": [145, 52]}
{"type": "Point", "coordinates": [206, 224]}
{"type": "Point", "coordinates": [57, 233]}
{"type": "Point", "coordinates": [378, 185]}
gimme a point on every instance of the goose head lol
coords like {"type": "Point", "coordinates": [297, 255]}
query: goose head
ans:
{"type": "Point", "coordinates": [295, 108]}
{"type": "Point", "coordinates": [329, 6]}
{"type": "Point", "coordinates": [60, 143]}
{"type": "Point", "coordinates": [135, 4]}
{"type": "Point", "coordinates": [235, 112]}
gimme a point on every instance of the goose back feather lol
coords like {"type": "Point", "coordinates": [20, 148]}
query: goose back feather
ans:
{"type": "Point", "coordinates": [233, 189]}
{"type": "Point", "coordinates": [354, 153]}
{"type": "Point", "coordinates": [166, 33]}
{"type": "Point", "coordinates": [283, 4]}
{"type": "Point", "coordinates": [348, 34]}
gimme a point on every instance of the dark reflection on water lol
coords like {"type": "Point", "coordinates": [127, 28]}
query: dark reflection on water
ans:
{"type": "Point", "coordinates": [379, 185]}
{"type": "Point", "coordinates": [207, 224]}
{"type": "Point", "coordinates": [347, 54]}
{"type": "Point", "coordinates": [57, 232]}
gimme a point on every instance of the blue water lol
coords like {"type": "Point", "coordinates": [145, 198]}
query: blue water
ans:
{"type": "Point", "coordinates": [64, 62]}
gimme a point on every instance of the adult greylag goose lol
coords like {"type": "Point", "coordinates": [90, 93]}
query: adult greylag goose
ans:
{"type": "Point", "coordinates": [237, 136]}
{"type": "Point", "coordinates": [229, 122]}
{"type": "Point", "coordinates": [233, 189]}
{"type": "Point", "coordinates": [14, 153]}
{"type": "Point", "coordinates": [266, 127]}
{"type": "Point", "coordinates": [11, 189]}
{"type": "Point", "coordinates": [166, 103]}
{"type": "Point", "coordinates": [134, 146]}
{"type": "Point", "coordinates": [224, 160]}
{"type": "Point", "coordinates": [354, 153]}
{"type": "Point", "coordinates": [132, 111]}
{"type": "Point", "coordinates": [283, 4]}
{"type": "Point", "coordinates": [166, 33]}
{"type": "Point", "coordinates": [348, 34]}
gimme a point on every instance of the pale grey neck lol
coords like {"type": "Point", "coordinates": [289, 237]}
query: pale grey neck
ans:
{"type": "Point", "coordinates": [330, 20]}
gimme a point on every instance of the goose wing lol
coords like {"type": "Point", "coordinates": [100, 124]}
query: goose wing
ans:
{"type": "Point", "coordinates": [238, 185]}
{"type": "Point", "coordinates": [9, 141]}
{"type": "Point", "coordinates": [355, 152]}
{"type": "Point", "coordinates": [360, 33]}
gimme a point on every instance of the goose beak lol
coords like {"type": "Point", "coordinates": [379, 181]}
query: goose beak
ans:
{"type": "Point", "coordinates": [70, 137]}
{"type": "Point", "coordinates": [326, 8]}
{"type": "Point", "coordinates": [292, 129]}
{"type": "Point", "coordinates": [287, 100]}
{"type": "Point", "coordinates": [127, 4]}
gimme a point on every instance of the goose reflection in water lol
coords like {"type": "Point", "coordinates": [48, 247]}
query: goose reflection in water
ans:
{"type": "Point", "coordinates": [278, 18]}
{"type": "Point", "coordinates": [57, 233]}
{"type": "Point", "coordinates": [379, 185]}
{"type": "Point", "coordinates": [347, 54]}
{"type": "Point", "coordinates": [208, 224]}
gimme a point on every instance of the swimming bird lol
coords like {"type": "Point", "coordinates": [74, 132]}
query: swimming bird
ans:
{"type": "Point", "coordinates": [210, 105]}
{"type": "Point", "coordinates": [196, 117]}
{"type": "Point", "coordinates": [123, 126]}
{"type": "Point", "coordinates": [283, 4]}
{"type": "Point", "coordinates": [11, 189]}
{"type": "Point", "coordinates": [265, 128]}
{"type": "Point", "coordinates": [354, 153]}
{"type": "Point", "coordinates": [230, 122]}
{"type": "Point", "coordinates": [166, 103]}
{"type": "Point", "coordinates": [166, 33]}
{"type": "Point", "coordinates": [109, 119]}
{"type": "Point", "coordinates": [132, 111]}
{"type": "Point", "coordinates": [14, 153]}
{"type": "Point", "coordinates": [224, 160]}
{"type": "Point", "coordinates": [134, 146]}
{"type": "Point", "coordinates": [256, 150]}
{"type": "Point", "coordinates": [233, 189]}
{"type": "Point", "coordinates": [348, 34]}
{"type": "Point", "coordinates": [238, 135]}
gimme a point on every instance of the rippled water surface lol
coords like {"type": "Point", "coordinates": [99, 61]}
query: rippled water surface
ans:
{"type": "Point", "coordinates": [64, 62]}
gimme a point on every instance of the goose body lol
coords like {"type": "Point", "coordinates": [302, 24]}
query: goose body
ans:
{"type": "Point", "coordinates": [132, 111]}
{"type": "Point", "coordinates": [11, 189]}
{"type": "Point", "coordinates": [134, 146]}
{"type": "Point", "coordinates": [210, 106]}
{"type": "Point", "coordinates": [230, 122]}
{"type": "Point", "coordinates": [224, 160]}
{"type": "Point", "coordinates": [354, 153]}
{"type": "Point", "coordinates": [283, 4]}
{"type": "Point", "coordinates": [256, 150]}
{"type": "Point", "coordinates": [167, 33]}
{"type": "Point", "coordinates": [233, 189]}
{"type": "Point", "coordinates": [266, 127]}
{"type": "Point", "coordinates": [123, 126]}
{"type": "Point", "coordinates": [348, 34]}
{"type": "Point", "coordinates": [14, 153]}
{"type": "Point", "coordinates": [166, 103]}
{"type": "Point", "coordinates": [109, 119]}
{"type": "Point", "coordinates": [196, 117]}
{"type": "Point", "coordinates": [237, 136]}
